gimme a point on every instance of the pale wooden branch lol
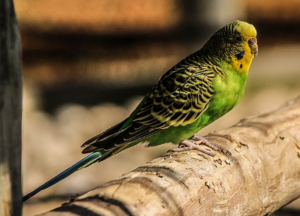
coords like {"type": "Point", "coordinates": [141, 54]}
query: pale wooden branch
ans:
{"type": "Point", "coordinates": [10, 111]}
{"type": "Point", "coordinates": [260, 176]}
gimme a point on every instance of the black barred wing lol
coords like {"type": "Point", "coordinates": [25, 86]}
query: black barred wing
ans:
{"type": "Point", "coordinates": [179, 98]}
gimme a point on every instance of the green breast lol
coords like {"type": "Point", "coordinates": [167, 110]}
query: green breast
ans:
{"type": "Point", "coordinates": [228, 91]}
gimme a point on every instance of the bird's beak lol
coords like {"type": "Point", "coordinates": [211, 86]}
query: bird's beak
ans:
{"type": "Point", "coordinates": [253, 46]}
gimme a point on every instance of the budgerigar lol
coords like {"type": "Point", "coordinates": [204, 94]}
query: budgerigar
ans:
{"type": "Point", "coordinates": [192, 94]}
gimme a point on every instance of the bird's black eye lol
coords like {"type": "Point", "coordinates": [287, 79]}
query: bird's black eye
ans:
{"type": "Point", "coordinates": [238, 39]}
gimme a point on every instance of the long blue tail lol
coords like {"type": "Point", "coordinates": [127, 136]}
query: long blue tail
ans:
{"type": "Point", "coordinates": [85, 162]}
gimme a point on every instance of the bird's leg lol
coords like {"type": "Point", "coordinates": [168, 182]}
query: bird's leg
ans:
{"type": "Point", "coordinates": [201, 140]}
{"type": "Point", "coordinates": [186, 145]}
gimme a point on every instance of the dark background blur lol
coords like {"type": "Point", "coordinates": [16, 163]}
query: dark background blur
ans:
{"type": "Point", "coordinates": [87, 63]}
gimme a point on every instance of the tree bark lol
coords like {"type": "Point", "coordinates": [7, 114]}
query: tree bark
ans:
{"type": "Point", "coordinates": [10, 111]}
{"type": "Point", "coordinates": [259, 175]}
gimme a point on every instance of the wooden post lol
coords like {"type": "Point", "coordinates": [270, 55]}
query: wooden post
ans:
{"type": "Point", "coordinates": [260, 175]}
{"type": "Point", "coordinates": [10, 112]}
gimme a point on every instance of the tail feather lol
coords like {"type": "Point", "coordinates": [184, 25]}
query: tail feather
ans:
{"type": "Point", "coordinates": [85, 162]}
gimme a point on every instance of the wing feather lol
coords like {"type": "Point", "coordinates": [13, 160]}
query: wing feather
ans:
{"type": "Point", "coordinates": [178, 99]}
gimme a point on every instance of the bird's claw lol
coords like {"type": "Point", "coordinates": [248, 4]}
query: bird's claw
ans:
{"type": "Point", "coordinates": [201, 140]}
{"type": "Point", "coordinates": [194, 144]}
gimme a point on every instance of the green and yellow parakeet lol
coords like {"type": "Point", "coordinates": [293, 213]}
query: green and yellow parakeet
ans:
{"type": "Point", "coordinates": [195, 92]}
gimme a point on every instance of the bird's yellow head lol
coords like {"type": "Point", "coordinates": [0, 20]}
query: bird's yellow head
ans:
{"type": "Point", "coordinates": [248, 34]}
{"type": "Point", "coordinates": [237, 43]}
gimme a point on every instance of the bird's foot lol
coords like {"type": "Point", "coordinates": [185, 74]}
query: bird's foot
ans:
{"type": "Point", "coordinates": [193, 144]}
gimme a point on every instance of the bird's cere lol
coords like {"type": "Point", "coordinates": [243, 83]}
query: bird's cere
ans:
{"type": "Point", "coordinates": [253, 46]}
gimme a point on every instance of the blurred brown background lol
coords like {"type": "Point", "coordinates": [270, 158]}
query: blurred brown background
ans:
{"type": "Point", "coordinates": [87, 63]}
